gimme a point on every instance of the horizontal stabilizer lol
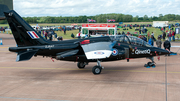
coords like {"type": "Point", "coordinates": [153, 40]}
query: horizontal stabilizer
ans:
{"type": "Point", "coordinates": [26, 55]}
{"type": "Point", "coordinates": [67, 54]}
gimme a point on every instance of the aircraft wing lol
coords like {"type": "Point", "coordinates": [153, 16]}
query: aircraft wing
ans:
{"type": "Point", "coordinates": [67, 53]}
{"type": "Point", "coordinates": [98, 50]}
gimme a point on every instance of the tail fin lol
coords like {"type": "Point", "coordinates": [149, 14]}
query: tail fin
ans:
{"type": "Point", "coordinates": [2, 9]}
{"type": "Point", "coordinates": [23, 33]}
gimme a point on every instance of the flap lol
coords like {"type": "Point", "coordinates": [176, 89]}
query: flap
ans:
{"type": "Point", "coordinates": [67, 53]}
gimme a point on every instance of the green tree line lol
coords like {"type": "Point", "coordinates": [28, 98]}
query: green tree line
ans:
{"type": "Point", "coordinates": [101, 18]}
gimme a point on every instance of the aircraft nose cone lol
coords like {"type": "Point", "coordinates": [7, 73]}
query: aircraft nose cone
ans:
{"type": "Point", "coordinates": [172, 53]}
{"type": "Point", "coordinates": [160, 51]}
{"type": "Point", "coordinates": [164, 52]}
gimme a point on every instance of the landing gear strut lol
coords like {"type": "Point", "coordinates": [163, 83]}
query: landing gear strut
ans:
{"type": "Point", "coordinates": [97, 69]}
{"type": "Point", "coordinates": [150, 64]}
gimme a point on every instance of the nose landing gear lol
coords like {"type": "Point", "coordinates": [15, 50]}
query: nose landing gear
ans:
{"type": "Point", "coordinates": [150, 64]}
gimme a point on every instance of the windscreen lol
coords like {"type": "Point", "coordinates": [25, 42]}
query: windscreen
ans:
{"type": "Point", "coordinates": [137, 41]}
{"type": "Point", "coordinates": [130, 40]}
{"type": "Point", "coordinates": [118, 38]}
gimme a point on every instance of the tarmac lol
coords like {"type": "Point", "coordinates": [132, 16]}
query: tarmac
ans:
{"type": "Point", "coordinates": [41, 79]}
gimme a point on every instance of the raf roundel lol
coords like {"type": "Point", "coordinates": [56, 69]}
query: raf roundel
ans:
{"type": "Point", "coordinates": [115, 52]}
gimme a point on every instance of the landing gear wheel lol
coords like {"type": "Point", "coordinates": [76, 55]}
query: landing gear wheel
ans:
{"type": "Point", "coordinates": [81, 65]}
{"type": "Point", "coordinates": [96, 70]}
{"type": "Point", "coordinates": [150, 64]}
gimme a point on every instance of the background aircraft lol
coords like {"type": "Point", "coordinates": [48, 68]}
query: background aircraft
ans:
{"type": "Point", "coordinates": [83, 51]}
{"type": "Point", "coordinates": [4, 6]}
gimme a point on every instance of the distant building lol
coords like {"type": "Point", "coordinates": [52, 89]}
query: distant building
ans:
{"type": "Point", "coordinates": [160, 23]}
{"type": "Point", "coordinates": [99, 29]}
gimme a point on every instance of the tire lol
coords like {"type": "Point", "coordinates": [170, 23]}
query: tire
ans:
{"type": "Point", "coordinates": [146, 65]}
{"type": "Point", "coordinates": [96, 70]}
{"type": "Point", "coordinates": [80, 65]}
{"type": "Point", "coordinates": [150, 64]}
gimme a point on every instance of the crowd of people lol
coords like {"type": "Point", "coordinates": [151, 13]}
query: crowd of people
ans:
{"type": "Point", "coordinates": [49, 34]}
{"type": "Point", "coordinates": [166, 43]}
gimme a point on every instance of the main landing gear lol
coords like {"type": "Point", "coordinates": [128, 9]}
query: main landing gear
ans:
{"type": "Point", "coordinates": [81, 65]}
{"type": "Point", "coordinates": [96, 69]}
{"type": "Point", "coordinates": [150, 64]}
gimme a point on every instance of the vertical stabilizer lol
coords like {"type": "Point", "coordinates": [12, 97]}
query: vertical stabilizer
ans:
{"type": "Point", "coordinates": [23, 33]}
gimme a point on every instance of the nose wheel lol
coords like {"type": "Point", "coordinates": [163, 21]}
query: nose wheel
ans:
{"type": "Point", "coordinates": [150, 64]}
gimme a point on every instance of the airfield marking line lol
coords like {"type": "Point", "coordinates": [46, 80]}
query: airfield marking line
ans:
{"type": "Point", "coordinates": [4, 47]}
{"type": "Point", "coordinates": [144, 71]}
{"type": "Point", "coordinates": [30, 99]}
{"type": "Point", "coordinates": [4, 51]}
{"type": "Point", "coordinates": [39, 68]}
{"type": "Point", "coordinates": [138, 71]}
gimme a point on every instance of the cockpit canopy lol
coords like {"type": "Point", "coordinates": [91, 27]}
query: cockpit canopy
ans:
{"type": "Point", "coordinates": [130, 40]}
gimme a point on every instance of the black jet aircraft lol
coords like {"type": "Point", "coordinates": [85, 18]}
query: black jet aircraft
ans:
{"type": "Point", "coordinates": [95, 49]}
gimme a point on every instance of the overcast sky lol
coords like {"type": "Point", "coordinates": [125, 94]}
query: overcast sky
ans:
{"type": "Point", "coordinates": [30, 8]}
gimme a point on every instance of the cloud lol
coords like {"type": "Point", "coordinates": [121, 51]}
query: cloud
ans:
{"type": "Point", "coordinates": [94, 7]}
